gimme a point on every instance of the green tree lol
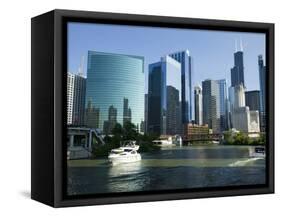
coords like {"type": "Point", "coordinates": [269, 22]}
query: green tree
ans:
{"type": "Point", "coordinates": [228, 138]}
{"type": "Point", "coordinates": [259, 140]}
{"type": "Point", "coordinates": [241, 139]}
{"type": "Point", "coordinates": [130, 131]}
{"type": "Point", "coordinates": [127, 132]}
{"type": "Point", "coordinates": [117, 130]}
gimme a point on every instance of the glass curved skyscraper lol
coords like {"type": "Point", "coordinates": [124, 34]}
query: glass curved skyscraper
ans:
{"type": "Point", "coordinates": [114, 81]}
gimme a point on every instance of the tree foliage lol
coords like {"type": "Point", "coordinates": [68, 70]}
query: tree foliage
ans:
{"type": "Point", "coordinates": [241, 138]}
{"type": "Point", "coordinates": [120, 134]}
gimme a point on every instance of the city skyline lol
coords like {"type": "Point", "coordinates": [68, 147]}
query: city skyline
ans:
{"type": "Point", "coordinates": [164, 41]}
{"type": "Point", "coordinates": [165, 85]}
{"type": "Point", "coordinates": [168, 87]}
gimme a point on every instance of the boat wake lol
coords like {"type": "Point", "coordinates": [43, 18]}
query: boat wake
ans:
{"type": "Point", "coordinates": [241, 163]}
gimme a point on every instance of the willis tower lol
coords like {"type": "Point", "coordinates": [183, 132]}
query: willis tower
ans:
{"type": "Point", "coordinates": [237, 72]}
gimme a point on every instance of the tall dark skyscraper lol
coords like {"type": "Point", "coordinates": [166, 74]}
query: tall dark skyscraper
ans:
{"type": "Point", "coordinates": [198, 106]}
{"type": "Point", "coordinates": [211, 104]}
{"type": "Point", "coordinates": [173, 111]}
{"type": "Point", "coordinates": [223, 104]}
{"type": "Point", "coordinates": [237, 72]}
{"type": "Point", "coordinates": [145, 112]}
{"type": "Point", "coordinates": [262, 75]}
{"type": "Point", "coordinates": [154, 99]}
{"type": "Point", "coordinates": [184, 58]}
{"type": "Point", "coordinates": [252, 99]}
{"type": "Point", "coordinates": [238, 109]}
{"type": "Point", "coordinates": [164, 97]}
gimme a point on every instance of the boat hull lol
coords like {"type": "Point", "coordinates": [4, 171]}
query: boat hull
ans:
{"type": "Point", "coordinates": [257, 152]}
{"type": "Point", "coordinates": [124, 159]}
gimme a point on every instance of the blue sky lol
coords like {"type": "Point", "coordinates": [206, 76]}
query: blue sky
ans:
{"type": "Point", "coordinates": [212, 51]}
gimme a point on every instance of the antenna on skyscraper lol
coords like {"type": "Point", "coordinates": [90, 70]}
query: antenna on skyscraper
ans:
{"type": "Point", "coordinates": [235, 45]}
{"type": "Point", "coordinates": [81, 67]}
{"type": "Point", "coordinates": [241, 44]}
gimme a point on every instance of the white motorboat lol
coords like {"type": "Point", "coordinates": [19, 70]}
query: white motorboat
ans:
{"type": "Point", "coordinates": [258, 151]}
{"type": "Point", "coordinates": [164, 142]}
{"type": "Point", "coordinates": [126, 153]}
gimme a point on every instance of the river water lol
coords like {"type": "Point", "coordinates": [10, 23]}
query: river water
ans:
{"type": "Point", "coordinates": [172, 168]}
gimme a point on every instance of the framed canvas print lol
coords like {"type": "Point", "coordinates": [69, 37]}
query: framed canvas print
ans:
{"type": "Point", "coordinates": [131, 108]}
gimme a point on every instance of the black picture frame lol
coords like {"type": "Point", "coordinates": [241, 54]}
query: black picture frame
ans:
{"type": "Point", "coordinates": [48, 76]}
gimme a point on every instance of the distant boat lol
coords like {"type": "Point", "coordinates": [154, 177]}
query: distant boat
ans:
{"type": "Point", "coordinates": [164, 142]}
{"type": "Point", "coordinates": [126, 153]}
{"type": "Point", "coordinates": [257, 151]}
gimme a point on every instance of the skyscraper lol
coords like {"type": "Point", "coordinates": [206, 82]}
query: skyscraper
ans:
{"type": "Point", "coordinates": [237, 89]}
{"type": "Point", "coordinates": [223, 104]}
{"type": "Point", "coordinates": [239, 93]}
{"type": "Point", "coordinates": [164, 97]}
{"type": "Point", "coordinates": [242, 118]}
{"type": "Point", "coordinates": [245, 120]}
{"type": "Point", "coordinates": [231, 98]}
{"type": "Point", "coordinates": [211, 104]}
{"type": "Point", "coordinates": [262, 75]}
{"type": "Point", "coordinates": [237, 72]}
{"type": "Point", "coordinates": [252, 99]}
{"type": "Point", "coordinates": [111, 78]}
{"type": "Point", "coordinates": [76, 87]}
{"type": "Point", "coordinates": [145, 112]}
{"type": "Point", "coordinates": [173, 111]}
{"type": "Point", "coordinates": [184, 58]}
{"type": "Point", "coordinates": [155, 98]}
{"type": "Point", "coordinates": [198, 105]}
{"type": "Point", "coordinates": [70, 97]}
{"type": "Point", "coordinates": [236, 100]}
{"type": "Point", "coordinates": [79, 100]}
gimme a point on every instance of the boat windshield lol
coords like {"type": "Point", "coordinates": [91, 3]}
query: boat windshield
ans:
{"type": "Point", "coordinates": [259, 150]}
{"type": "Point", "coordinates": [129, 144]}
{"type": "Point", "coordinates": [116, 151]}
{"type": "Point", "coordinates": [127, 150]}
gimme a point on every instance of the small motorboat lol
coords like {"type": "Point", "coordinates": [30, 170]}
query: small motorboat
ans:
{"type": "Point", "coordinates": [164, 142]}
{"type": "Point", "coordinates": [126, 153]}
{"type": "Point", "coordinates": [257, 151]}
